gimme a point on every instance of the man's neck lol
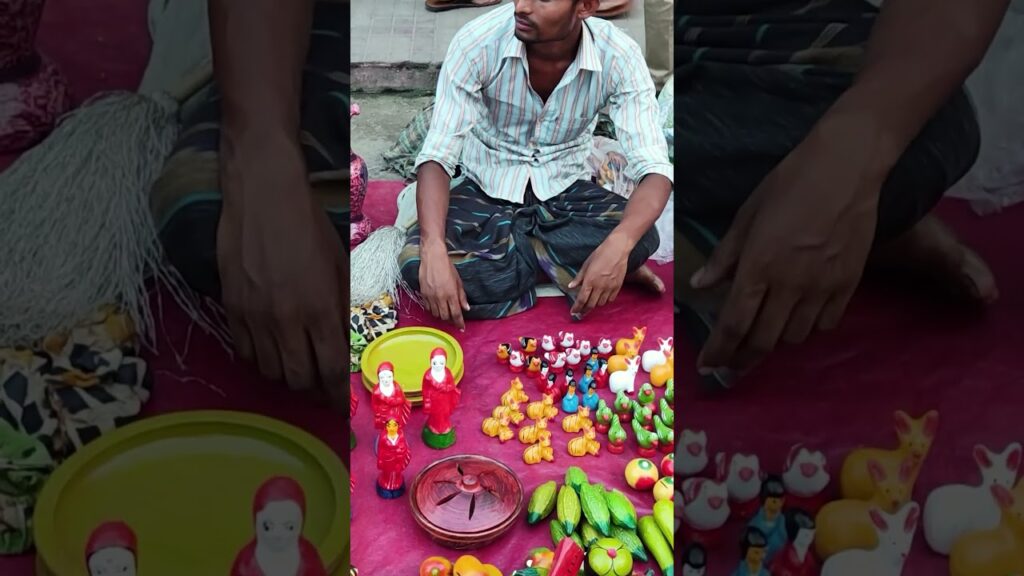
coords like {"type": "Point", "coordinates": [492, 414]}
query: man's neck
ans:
{"type": "Point", "coordinates": [556, 51]}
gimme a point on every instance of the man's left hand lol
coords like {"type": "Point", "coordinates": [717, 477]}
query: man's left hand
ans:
{"type": "Point", "coordinates": [601, 277]}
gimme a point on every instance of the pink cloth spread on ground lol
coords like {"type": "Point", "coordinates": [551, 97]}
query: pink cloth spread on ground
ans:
{"type": "Point", "coordinates": [383, 528]}
{"type": "Point", "coordinates": [896, 349]}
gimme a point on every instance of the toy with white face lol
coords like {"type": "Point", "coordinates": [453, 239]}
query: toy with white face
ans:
{"type": "Point", "coordinates": [692, 453]}
{"type": "Point", "coordinates": [437, 366]}
{"type": "Point", "coordinates": [585, 348]}
{"type": "Point", "coordinates": [279, 526]}
{"type": "Point", "coordinates": [804, 539]}
{"type": "Point", "coordinates": [806, 472]}
{"type": "Point", "coordinates": [741, 474]}
{"type": "Point", "coordinates": [574, 357]}
{"type": "Point", "coordinates": [705, 503]}
{"type": "Point", "coordinates": [387, 382]}
{"type": "Point", "coordinates": [604, 346]}
{"type": "Point", "coordinates": [547, 342]}
{"type": "Point", "coordinates": [567, 339]}
{"type": "Point", "coordinates": [113, 561]}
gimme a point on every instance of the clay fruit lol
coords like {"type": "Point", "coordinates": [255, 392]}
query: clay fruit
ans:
{"type": "Point", "coordinates": [436, 566]}
{"type": "Point", "coordinates": [609, 557]}
{"type": "Point", "coordinates": [641, 474]}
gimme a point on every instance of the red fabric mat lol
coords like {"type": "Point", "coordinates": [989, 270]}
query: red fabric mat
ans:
{"type": "Point", "coordinates": [382, 527]}
{"type": "Point", "coordinates": [895, 350]}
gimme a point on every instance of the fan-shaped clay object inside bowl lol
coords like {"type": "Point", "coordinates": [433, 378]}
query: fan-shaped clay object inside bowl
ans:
{"type": "Point", "coordinates": [466, 501]}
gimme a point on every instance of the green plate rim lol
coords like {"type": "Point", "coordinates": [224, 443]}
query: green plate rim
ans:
{"type": "Point", "coordinates": [331, 547]}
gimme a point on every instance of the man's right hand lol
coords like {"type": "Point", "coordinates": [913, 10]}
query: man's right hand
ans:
{"type": "Point", "coordinates": [440, 285]}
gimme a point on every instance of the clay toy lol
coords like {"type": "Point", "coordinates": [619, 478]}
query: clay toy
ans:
{"type": "Point", "coordinates": [491, 426]}
{"type": "Point", "coordinates": [532, 366]}
{"type": "Point", "coordinates": [668, 415]}
{"type": "Point", "coordinates": [661, 374]}
{"type": "Point", "coordinates": [533, 433]}
{"type": "Point", "coordinates": [547, 343]}
{"type": "Point", "coordinates": [620, 362]}
{"type": "Point", "coordinates": [845, 524]}
{"type": "Point", "coordinates": [556, 361]}
{"type": "Point", "coordinates": [668, 464]}
{"type": "Point", "coordinates": [551, 387]}
{"type": "Point", "coordinates": [623, 407]}
{"type": "Point", "coordinates": [623, 345]}
{"type": "Point", "coordinates": [587, 380]}
{"type": "Point", "coordinates": [440, 397]}
{"type": "Point", "coordinates": [743, 477]}
{"type": "Point", "coordinates": [578, 421]}
{"type": "Point", "coordinates": [585, 443]}
{"type": "Point", "coordinates": [895, 534]}
{"type": "Point", "coordinates": [514, 393]}
{"type": "Point", "coordinates": [604, 348]}
{"type": "Point", "coordinates": [602, 417]}
{"type": "Point", "coordinates": [435, 566]}
{"type": "Point", "coordinates": [278, 515]}
{"type": "Point", "coordinates": [601, 375]}
{"type": "Point", "coordinates": [111, 549]}
{"type": "Point", "coordinates": [753, 550]}
{"type": "Point", "coordinates": [392, 458]}
{"type": "Point", "coordinates": [616, 436]}
{"type": "Point", "coordinates": [915, 437]}
{"type": "Point", "coordinates": [641, 474]}
{"type": "Point", "coordinates": [516, 361]}
{"type": "Point", "coordinates": [504, 350]}
{"type": "Point", "coordinates": [705, 511]}
{"type": "Point", "coordinates": [998, 551]}
{"type": "Point", "coordinates": [954, 510]}
{"type": "Point", "coordinates": [806, 477]}
{"type": "Point", "coordinates": [695, 560]}
{"type": "Point", "coordinates": [585, 349]}
{"type": "Point", "coordinates": [542, 409]}
{"type": "Point", "coordinates": [664, 488]}
{"type": "Point", "coordinates": [666, 436]}
{"type": "Point", "coordinates": [647, 441]}
{"type": "Point", "coordinates": [510, 411]}
{"type": "Point", "coordinates": [797, 558]}
{"type": "Point", "coordinates": [543, 371]}
{"type": "Point", "coordinates": [610, 557]}
{"type": "Point", "coordinates": [528, 344]}
{"type": "Point", "coordinates": [645, 396]}
{"type": "Point", "coordinates": [652, 358]}
{"type": "Point", "coordinates": [644, 415]}
{"type": "Point", "coordinates": [624, 381]}
{"type": "Point", "coordinates": [670, 391]}
{"type": "Point", "coordinates": [470, 566]}
{"type": "Point", "coordinates": [769, 519]}
{"type": "Point", "coordinates": [566, 340]}
{"type": "Point", "coordinates": [591, 399]}
{"type": "Point", "coordinates": [573, 357]}
{"type": "Point", "coordinates": [539, 451]}
{"type": "Point", "coordinates": [694, 457]}
{"type": "Point", "coordinates": [388, 401]}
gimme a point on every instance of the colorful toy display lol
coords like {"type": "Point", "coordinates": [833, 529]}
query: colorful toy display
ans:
{"type": "Point", "coordinates": [515, 393]}
{"type": "Point", "coordinates": [623, 407]}
{"type": "Point", "coordinates": [440, 397]}
{"type": "Point", "coordinates": [498, 428]}
{"type": "Point", "coordinates": [604, 348]}
{"type": "Point", "coordinates": [666, 436]}
{"type": "Point", "coordinates": [470, 566]}
{"type": "Point", "coordinates": [547, 343]}
{"type": "Point", "coordinates": [516, 361]}
{"type": "Point", "coordinates": [392, 458]}
{"type": "Point", "coordinates": [436, 566]}
{"type": "Point", "coordinates": [278, 515]}
{"type": "Point", "coordinates": [655, 541]}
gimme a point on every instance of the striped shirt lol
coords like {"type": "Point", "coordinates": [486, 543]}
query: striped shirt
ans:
{"type": "Point", "coordinates": [488, 119]}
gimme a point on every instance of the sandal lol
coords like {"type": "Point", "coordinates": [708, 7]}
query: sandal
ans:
{"type": "Point", "coordinates": [613, 8]}
{"type": "Point", "coordinates": [445, 5]}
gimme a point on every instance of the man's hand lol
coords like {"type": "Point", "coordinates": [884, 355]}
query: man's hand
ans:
{"type": "Point", "coordinates": [602, 274]}
{"type": "Point", "coordinates": [440, 285]}
{"type": "Point", "coordinates": [798, 247]}
{"type": "Point", "coordinates": [281, 265]}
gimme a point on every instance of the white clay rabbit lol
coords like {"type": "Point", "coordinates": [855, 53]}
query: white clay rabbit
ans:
{"type": "Point", "coordinates": [625, 380]}
{"type": "Point", "coordinates": [585, 348]}
{"type": "Point", "coordinates": [806, 473]}
{"type": "Point", "coordinates": [652, 358]}
{"type": "Point", "coordinates": [547, 343]}
{"type": "Point", "coordinates": [705, 504]}
{"type": "Point", "coordinates": [895, 534]}
{"type": "Point", "coordinates": [742, 476]}
{"type": "Point", "coordinates": [956, 509]}
{"type": "Point", "coordinates": [693, 453]}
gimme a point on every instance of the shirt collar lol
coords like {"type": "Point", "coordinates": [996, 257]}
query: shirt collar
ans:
{"type": "Point", "coordinates": [587, 57]}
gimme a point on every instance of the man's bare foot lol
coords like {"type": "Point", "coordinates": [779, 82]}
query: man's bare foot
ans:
{"type": "Point", "coordinates": [931, 249]}
{"type": "Point", "coordinates": [647, 278]}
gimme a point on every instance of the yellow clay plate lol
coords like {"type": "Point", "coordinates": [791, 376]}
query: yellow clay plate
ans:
{"type": "Point", "coordinates": [409, 350]}
{"type": "Point", "coordinates": [184, 482]}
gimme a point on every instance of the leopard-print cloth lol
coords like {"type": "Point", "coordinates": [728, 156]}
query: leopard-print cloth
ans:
{"type": "Point", "coordinates": [369, 322]}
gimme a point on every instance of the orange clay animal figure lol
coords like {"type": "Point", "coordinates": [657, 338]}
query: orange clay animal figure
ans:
{"type": "Point", "coordinates": [915, 437]}
{"type": "Point", "coordinates": [491, 426]}
{"type": "Point", "coordinates": [542, 409]}
{"type": "Point", "coordinates": [662, 373]}
{"type": "Point", "coordinates": [578, 421]}
{"type": "Point", "coordinates": [514, 393]}
{"type": "Point", "coordinates": [504, 432]}
{"type": "Point", "coordinates": [625, 349]}
{"type": "Point", "coordinates": [514, 414]}
{"type": "Point", "coordinates": [528, 344]}
{"type": "Point", "coordinates": [533, 365]}
{"type": "Point", "coordinates": [998, 551]}
{"type": "Point", "coordinates": [503, 351]}
{"type": "Point", "coordinates": [585, 444]}
{"type": "Point", "coordinates": [531, 434]}
{"type": "Point", "coordinates": [846, 524]}
{"type": "Point", "coordinates": [539, 451]}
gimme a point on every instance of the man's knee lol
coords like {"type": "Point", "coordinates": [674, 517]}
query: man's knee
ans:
{"type": "Point", "coordinates": [644, 249]}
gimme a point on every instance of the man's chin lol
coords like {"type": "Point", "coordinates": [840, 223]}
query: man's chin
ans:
{"type": "Point", "coordinates": [524, 37]}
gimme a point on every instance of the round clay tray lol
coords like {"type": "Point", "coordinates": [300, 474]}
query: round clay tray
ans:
{"type": "Point", "coordinates": [466, 501]}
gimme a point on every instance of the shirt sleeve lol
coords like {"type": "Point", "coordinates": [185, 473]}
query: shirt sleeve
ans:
{"type": "Point", "coordinates": [634, 111]}
{"type": "Point", "coordinates": [458, 106]}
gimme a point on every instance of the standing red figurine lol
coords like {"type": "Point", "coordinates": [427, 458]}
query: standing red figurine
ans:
{"type": "Point", "coordinates": [392, 458]}
{"type": "Point", "coordinates": [278, 515]}
{"type": "Point", "coordinates": [388, 401]}
{"type": "Point", "coordinates": [440, 397]}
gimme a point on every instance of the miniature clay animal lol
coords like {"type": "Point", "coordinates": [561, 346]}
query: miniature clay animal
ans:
{"type": "Point", "coordinates": [845, 524]}
{"type": "Point", "coordinates": [491, 426]}
{"type": "Point", "coordinates": [661, 374]}
{"type": "Point", "coordinates": [573, 357]}
{"type": "Point", "coordinates": [504, 349]}
{"type": "Point", "coordinates": [538, 452]}
{"type": "Point", "coordinates": [915, 441]}
{"type": "Point", "coordinates": [515, 360]}
{"type": "Point", "coordinates": [995, 552]}
{"type": "Point", "coordinates": [542, 409]}
{"type": "Point", "coordinates": [705, 504]}
{"type": "Point", "coordinates": [635, 342]}
{"type": "Point", "coordinates": [533, 433]}
{"type": "Point", "coordinates": [528, 344]}
{"type": "Point", "coordinates": [566, 339]}
{"type": "Point", "coordinates": [742, 475]}
{"type": "Point", "coordinates": [694, 457]}
{"type": "Point", "coordinates": [515, 393]}
{"type": "Point", "coordinates": [953, 510]}
{"type": "Point", "coordinates": [585, 444]}
{"type": "Point", "coordinates": [584, 348]}
{"type": "Point", "coordinates": [625, 380]}
{"type": "Point", "coordinates": [547, 343]}
{"type": "Point", "coordinates": [604, 347]}
{"type": "Point", "coordinates": [652, 358]}
{"type": "Point", "coordinates": [894, 533]}
{"type": "Point", "coordinates": [806, 473]}
{"type": "Point", "coordinates": [578, 421]}
{"type": "Point", "coordinates": [505, 433]}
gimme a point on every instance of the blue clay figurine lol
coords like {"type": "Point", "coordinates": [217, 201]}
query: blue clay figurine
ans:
{"type": "Point", "coordinates": [587, 380]}
{"type": "Point", "coordinates": [571, 402]}
{"type": "Point", "coordinates": [591, 399]}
